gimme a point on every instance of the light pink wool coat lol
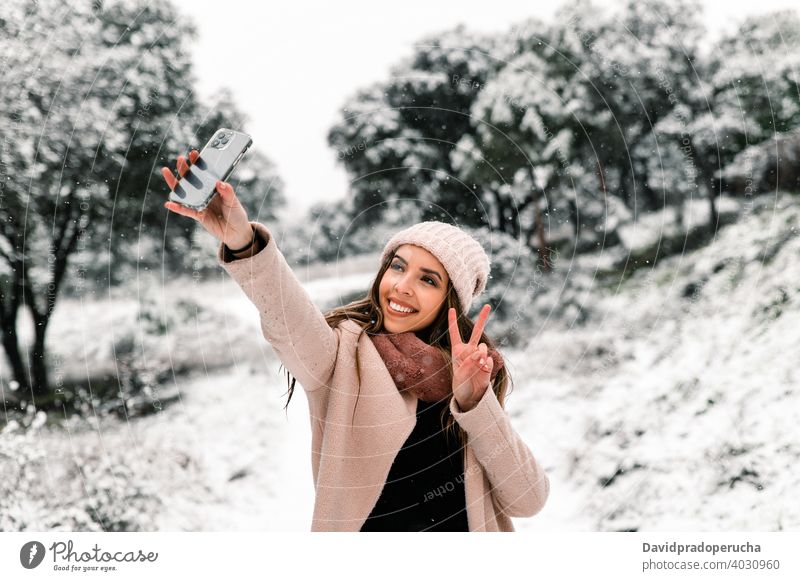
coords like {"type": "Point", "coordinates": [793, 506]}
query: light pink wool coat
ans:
{"type": "Point", "coordinates": [351, 458]}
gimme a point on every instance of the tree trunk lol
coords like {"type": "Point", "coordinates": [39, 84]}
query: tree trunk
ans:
{"type": "Point", "coordinates": [544, 251]}
{"type": "Point", "coordinates": [519, 209]}
{"type": "Point", "coordinates": [10, 301]}
{"type": "Point", "coordinates": [627, 194]}
{"type": "Point", "coordinates": [13, 355]}
{"type": "Point", "coordinates": [601, 177]}
{"type": "Point", "coordinates": [502, 222]}
{"type": "Point", "coordinates": [713, 217]}
{"type": "Point", "coordinates": [538, 225]}
{"type": "Point", "coordinates": [32, 375]}
{"type": "Point", "coordinates": [706, 173]}
{"type": "Point", "coordinates": [513, 223]}
{"type": "Point", "coordinates": [38, 363]}
{"type": "Point", "coordinates": [650, 197]}
{"type": "Point", "coordinates": [574, 218]}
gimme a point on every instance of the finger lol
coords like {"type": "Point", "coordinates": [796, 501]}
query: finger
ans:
{"type": "Point", "coordinates": [169, 177]}
{"type": "Point", "coordinates": [479, 361]}
{"type": "Point", "coordinates": [483, 360]}
{"type": "Point", "coordinates": [194, 155]}
{"type": "Point", "coordinates": [225, 190]}
{"type": "Point", "coordinates": [183, 167]}
{"type": "Point", "coordinates": [477, 330]}
{"type": "Point", "coordinates": [183, 210]}
{"type": "Point", "coordinates": [455, 335]}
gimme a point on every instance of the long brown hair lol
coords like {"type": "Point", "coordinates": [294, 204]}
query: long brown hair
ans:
{"type": "Point", "coordinates": [367, 313]}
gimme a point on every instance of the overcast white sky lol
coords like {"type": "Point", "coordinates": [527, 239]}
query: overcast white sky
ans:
{"type": "Point", "coordinates": [292, 65]}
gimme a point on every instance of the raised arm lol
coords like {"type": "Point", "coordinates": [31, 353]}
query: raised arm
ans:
{"type": "Point", "coordinates": [290, 321]}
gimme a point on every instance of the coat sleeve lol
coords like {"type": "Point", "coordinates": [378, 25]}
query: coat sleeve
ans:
{"type": "Point", "coordinates": [519, 484]}
{"type": "Point", "coordinates": [290, 321]}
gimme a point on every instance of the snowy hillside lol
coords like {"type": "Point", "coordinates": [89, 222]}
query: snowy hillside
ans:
{"type": "Point", "coordinates": [674, 406]}
{"type": "Point", "coordinates": [679, 407]}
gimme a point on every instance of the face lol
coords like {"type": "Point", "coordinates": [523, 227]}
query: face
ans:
{"type": "Point", "coordinates": [416, 279]}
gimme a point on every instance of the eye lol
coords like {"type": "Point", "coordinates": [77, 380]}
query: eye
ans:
{"type": "Point", "coordinates": [433, 282]}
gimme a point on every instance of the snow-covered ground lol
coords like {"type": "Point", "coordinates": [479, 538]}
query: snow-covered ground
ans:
{"type": "Point", "coordinates": [675, 406]}
{"type": "Point", "coordinates": [683, 391]}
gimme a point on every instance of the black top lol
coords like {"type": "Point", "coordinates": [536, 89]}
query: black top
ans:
{"type": "Point", "coordinates": [425, 487]}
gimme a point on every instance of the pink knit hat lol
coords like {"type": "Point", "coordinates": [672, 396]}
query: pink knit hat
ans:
{"type": "Point", "coordinates": [461, 255]}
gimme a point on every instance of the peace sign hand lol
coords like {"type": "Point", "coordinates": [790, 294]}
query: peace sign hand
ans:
{"type": "Point", "coordinates": [472, 366]}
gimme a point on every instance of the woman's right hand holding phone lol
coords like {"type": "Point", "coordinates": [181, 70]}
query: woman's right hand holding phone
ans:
{"type": "Point", "coordinates": [224, 217]}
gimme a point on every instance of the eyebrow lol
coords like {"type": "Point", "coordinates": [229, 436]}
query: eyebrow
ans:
{"type": "Point", "coordinates": [428, 270]}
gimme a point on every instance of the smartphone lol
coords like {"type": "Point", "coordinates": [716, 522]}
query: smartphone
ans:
{"type": "Point", "coordinates": [217, 160]}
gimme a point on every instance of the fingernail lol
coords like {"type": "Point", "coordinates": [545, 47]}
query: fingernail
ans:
{"type": "Point", "coordinates": [481, 361]}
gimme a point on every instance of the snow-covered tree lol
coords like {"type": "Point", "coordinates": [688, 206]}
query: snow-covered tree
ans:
{"type": "Point", "coordinates": [746, 93]}
{"type": "Point", "coordinates": [62, 112]}
{"type": "Point", "coordinates": [634, 61]}
{"type": "Point", "coordinates": [520, 146]}
{"type": "Point", "coordinates": [97, 97]}
{"type": "Point", "coordinates": [394, 138]}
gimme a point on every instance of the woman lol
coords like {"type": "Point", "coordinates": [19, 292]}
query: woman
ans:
{"type": "Point", "coordinates": [390, 381]}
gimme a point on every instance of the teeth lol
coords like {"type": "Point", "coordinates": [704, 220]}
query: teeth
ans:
{"type": "Point", "coordinates": [397, 307]}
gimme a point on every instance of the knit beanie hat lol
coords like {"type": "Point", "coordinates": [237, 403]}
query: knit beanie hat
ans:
{"type": "Point", "coordinates": [461, 255]}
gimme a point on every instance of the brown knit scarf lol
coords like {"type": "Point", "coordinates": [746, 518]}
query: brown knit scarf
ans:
{"type": "Point", "coordinates": [419, 367]}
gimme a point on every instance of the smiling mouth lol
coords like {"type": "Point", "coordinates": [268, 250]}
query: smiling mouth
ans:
{"type": "Point", "coordinates": [392, 311]}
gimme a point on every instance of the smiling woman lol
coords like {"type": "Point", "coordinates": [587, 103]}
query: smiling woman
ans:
{"type": "Point", "coordinates": [389, 465]}
{"type": "Point", "coordinates": [412, 290]}
{"type": "Point", "coordinates": [443, 456]}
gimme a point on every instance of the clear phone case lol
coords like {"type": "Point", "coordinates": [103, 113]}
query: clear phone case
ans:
{"type": "Point", "coordinates": [217, 161]}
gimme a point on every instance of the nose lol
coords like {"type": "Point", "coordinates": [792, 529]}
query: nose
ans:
{"type": "Point", "coordinates": [400, 287]}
